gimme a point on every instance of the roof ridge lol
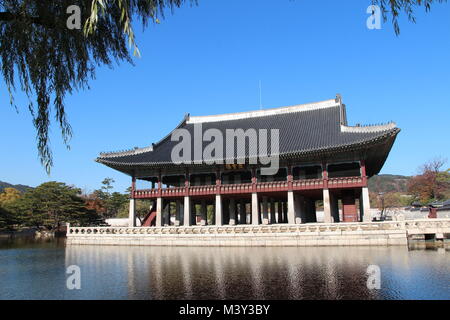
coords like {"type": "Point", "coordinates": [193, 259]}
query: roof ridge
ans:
{"type": "Point", "coordinates": [369, 128]}
{"type": "Point", "coordinates": [265, 112]}
{"type": "Point", "coordinates": [137, 150]}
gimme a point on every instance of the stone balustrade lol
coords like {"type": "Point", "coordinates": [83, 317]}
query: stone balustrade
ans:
{"type": "Point", "coordinates": [373, 233]}
{"type": "Point", "coordinates": [427, 226]}
{"type": "Point", "coordinates": [277, 228]}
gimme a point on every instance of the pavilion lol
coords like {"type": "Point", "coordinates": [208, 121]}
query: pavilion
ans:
{"type": "Point", "coordinates": [321, 161]}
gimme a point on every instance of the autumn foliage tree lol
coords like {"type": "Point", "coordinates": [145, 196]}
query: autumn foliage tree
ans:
{"type": "Point", "coordinates": [7, 199]}
{"type": "Point", "coordinates": [432, 183]}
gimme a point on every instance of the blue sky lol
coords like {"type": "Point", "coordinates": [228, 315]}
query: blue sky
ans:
{"type": "Point", "coordinates": [209, 59]}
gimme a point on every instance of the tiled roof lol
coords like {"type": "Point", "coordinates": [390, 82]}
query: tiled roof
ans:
{"type": "Point", "coordinates": [303, 129]}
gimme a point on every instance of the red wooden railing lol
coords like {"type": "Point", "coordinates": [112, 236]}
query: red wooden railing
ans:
{"type": "Point", "coordinates": [273, 186]}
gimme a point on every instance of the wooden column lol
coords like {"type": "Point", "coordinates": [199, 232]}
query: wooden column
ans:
{"type": "Point", "coordinates": [159, 184]}
{"type": "Point", "coordinates": [325, 175]}
{"type": "Point", "coordinates": [363, 172]}
{"type": "Point", "coordinates": [186, 183]}
{"type": "Point", "coordinates": [254, 180]}
{"type": "Point", "coordinates": [218, 182]}
{"type": "Point", "coordinates": [290, 178]}
{"type": "Point", "coordinates": [133, 186]}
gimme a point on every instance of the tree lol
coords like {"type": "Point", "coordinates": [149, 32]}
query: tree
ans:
{"type": "Point", "coordinates": [393, 9]}
{"type": "Point", "coordinates": [431, 183]}
{"type": "Point", "coordinates": [9, 195]}
{"type": "Point", "coordinates": [53, 203]}
{"type": "Point", "coordinates": [50, 60]}
{"type": "Point", "coordinates": [111, 202]}
{"type": "Point", "coordinates": [107, 185]}
{"type": "Point", "coordinates": [8, 216]}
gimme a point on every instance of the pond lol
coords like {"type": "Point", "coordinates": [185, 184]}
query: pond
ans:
{"type": "Point", "coordinates": [37, 270]}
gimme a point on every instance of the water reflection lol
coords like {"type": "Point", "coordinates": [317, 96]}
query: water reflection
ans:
{"type": "Point", "coordinates": [30, 270]}
{"type": "Point", "coordinates": [258, 273]}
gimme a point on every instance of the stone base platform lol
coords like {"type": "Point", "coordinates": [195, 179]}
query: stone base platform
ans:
{"type": "Point", "coordinates": [318, 234]}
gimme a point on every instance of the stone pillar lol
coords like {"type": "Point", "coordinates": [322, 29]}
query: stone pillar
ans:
{"type": "Point", "coordinates": [187, 211]}
{"type": "Point", "coordinates": [326, 206]}
{"type": "Point", "coordinates": [132, 213]}
{"type": "Point", "coordinates": [232, 212]}
{"type": "Point", "coordinates": [255, 211]}
{"type": "Point", "coordinates": [159, 212]}
{"type": "Point", "coordinates": [291, 208]}
{"type": "Point", "coordinates": [218, 210]}
{"type": "Point", "coordinates": [177, 212]}
{"type": "Point", "coordinates": [334, 204]}
{"type": "Point", "coordinates": [272, 211]}
{"type": "Point", "coordinates": [203, 213]}
{"type": "Point", "coordinates": [242, 213]}
{"type": "Point", "coordinates": [265, 212]}
{"type": "Point", "coordinates": [366, 216]}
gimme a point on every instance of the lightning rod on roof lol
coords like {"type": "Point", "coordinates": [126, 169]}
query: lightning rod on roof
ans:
{"type": "Point", "coordinates": [260, 96]}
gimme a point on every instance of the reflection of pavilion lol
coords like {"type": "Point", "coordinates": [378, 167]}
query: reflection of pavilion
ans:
{"type": "Point", "coordinates": [232, 273]}
{"type": "Point", "coordinates": [321, 158]}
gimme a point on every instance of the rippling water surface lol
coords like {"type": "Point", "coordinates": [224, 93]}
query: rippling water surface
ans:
{"type": "Point", "coordinates": [37, 271]}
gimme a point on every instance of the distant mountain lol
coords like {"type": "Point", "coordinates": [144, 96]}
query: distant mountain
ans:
{"type": "Point", "coordinates": [388, 183]}
{"type": "Point", "coordinates": [20, 187]}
